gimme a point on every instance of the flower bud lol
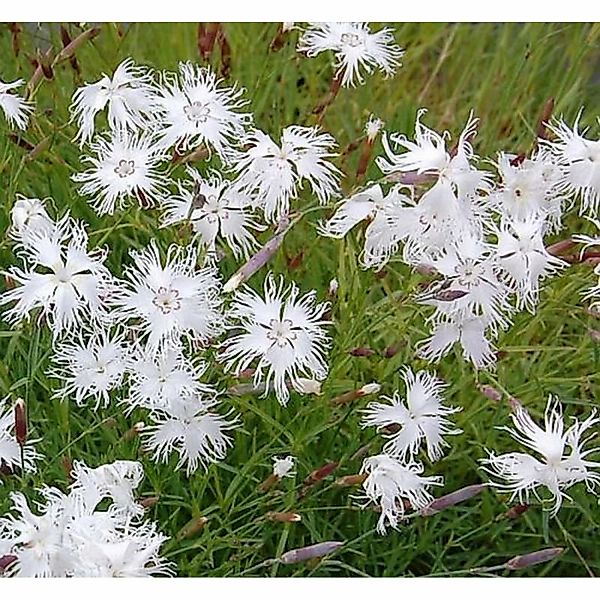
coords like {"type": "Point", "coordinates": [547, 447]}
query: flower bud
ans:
{"type": "Point", "coordinates": [191, 528]}
{"type": "Point", "coordinates": [452, 499]}
{"type": "Point", "coordinates": [20, 422]}
{"type": "Point", "coordinates": [369, 388]}
{"type": "Point", "coordinates": [309, 552]}
{"type": "Point", "coordinates": [308, 386]}
{"type": "Point", "coordinates": [333, 287]}
{"type": "Point", "coordinates": [533, 558]}
{"type": "Point", "coordinates": [351, 480]}
{"type": "Point", "coordinates": [490, 392]}
{"type": "Point", "coordinates": [283, 517]}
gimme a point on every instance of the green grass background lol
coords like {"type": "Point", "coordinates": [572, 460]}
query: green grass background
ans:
{"type": "Point", "coordinates": [505, 73]}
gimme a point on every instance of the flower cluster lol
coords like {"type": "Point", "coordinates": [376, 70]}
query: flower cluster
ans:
{"type": "Point", "coordinates": [151, 332]}
{"type": "Point", "coordinates": [78, 535]}
{"type": "Point", "coordinates": [394, 477]}
{"type": "Point", "coordinates": [483, 237]}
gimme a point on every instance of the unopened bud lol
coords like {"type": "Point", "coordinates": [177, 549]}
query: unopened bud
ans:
{"type": "Point", "coordinates": [321, 473]}
{"type": "Point", "coordinates": [309, 552]}
{"type": "Point", "coordinates": [150, 501]}
{"type": "Point", "coordinates": [490, 392]}
{"type": "Point", "coordinates": [361, 352]}
{"type": "Point", "coordinates": [533, 558]}
{"type": "Point", "coordinates": [233, 283]}
{"type": "Point", "coordinates": [134, 431]}
{"type": "Point", "coordinates": [369, 388]}
{"type": "Point", "coordinates": [514, 404]}
{"type": "Point", "coordinates": [283, 517]}
{"type": "Point", "coordinates": [594, 334]}
{"type": "Point", "coordinates": [192, 527]}
{"type": "Point", "coordinates": [308, 386]}
{"type": "Point", "coordinates": [516, 511]}
{"type": "Point", "coordinates": [20, 422]}
{"type": "Point", "coordinates": [452, 499]}
{"type": "Point", "coordinates": [5, 561]}
{"type": "Point", "coordinates": [351, 480]}
{"type": "Point", "coordinates": [268, 483]}
{"type": "Point", "coordinates": [333, 287]}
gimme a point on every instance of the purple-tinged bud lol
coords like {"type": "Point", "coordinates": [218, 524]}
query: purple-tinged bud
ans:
{"type": "Point", "coordinates": [533, 558]}
{"type": "Point", "coordinates": [6, 561]}
{"type": "Point", "coordinates": [258, 260]}
{"type": "Point", "coordinates": [309, 552]}
{"type": "Point", "coordinates": [490, 392]}
{"type": "Point", "coordinates": [560, 247]}
{"type": "Point", "coordinates": [452, 499]}
{"type": "Point", "coordinates": [594, 334]}
{"type": "Point", "coordinates": [361, 352]}
{"type": "Point", "coordinates": [20, 422]}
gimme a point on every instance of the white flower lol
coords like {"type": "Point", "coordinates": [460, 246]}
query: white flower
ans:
{"type": "Point", "coordinates": [562, 459]}
{"type": "Point", "coordinates": [468, 330]}
{"type": "Point", "coordinates": [68, 282]}
{"type": "Point", "coordinates": [157, 381]}
{"type": "Point", "coordinates": [35, 540]}
{"type": "Point", "coordinates": [579, 161]}
{"type": "Point", "coordinates": [389, 483]}
{"type": "Point", "coordinates": [355, 48]}
{"type": "Point", "coordinates": [16, 110]}
{"type": "Point", "coordinates": [284, 467]}
{"type": "Point", "coordinates": [373, 127]}
{"type": "Point", "coordinates": [29, 215]}
{"type": "Point", "coordinates": [117, 481]}
{"type": "Point", "coordinates": [471, 285]}
{"type": "Point", "coordinates": [428, 155]}
{"type": "Point", "coordinates": [284, 333]}
{"type": "Point", "coordinates": [130, 96]}
{"type": "Point", "coordinates": [273, 174]}
{"type": "Point", "coordinates": [133, 555]}
{"type": "Point", "coordinates": [523, 258]}
{"type": "Point", "coordinates": [10, 450]}
{"type": "Point", "coordinates": [193, 429]}
{"type": "Point", "coordinates": [73, 537]}
{"type": "Point", "coordinates": [196, 109]}
{"type": "Point", "coordinates": [421, 417]}
{"type": "Point", "coordinates": [215, 208]}
{"type": "Point", "coordinates": [91, 367]}
{"type": "Point", "coordinates": [529, 188]}
{"type": "Point", "coordinates": [593, 292]}
{"type": "Point", "coordinates": [173, 301]}
{"type": "Point", "coordinates": [125, 166]}
{"type": "Point", "coordinates": [391, 221]}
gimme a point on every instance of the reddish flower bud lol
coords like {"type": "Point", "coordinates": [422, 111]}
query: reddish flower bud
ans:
{"type": "Point", "coordinates": [20, 422]}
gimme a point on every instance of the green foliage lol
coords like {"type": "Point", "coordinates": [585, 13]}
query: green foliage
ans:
{"type": "Point", "coordinates": [505, 73]}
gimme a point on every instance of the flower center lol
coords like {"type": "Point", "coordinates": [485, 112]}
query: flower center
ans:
{"type": "Point", "coordinates": [62, 274]}
{"type": "Point", "coordinates": [125, 168]}
{"type": "Point", "coordinates": [167, 299]}
{"type": "Point", "coordinates": [351, 39]}
{"type": "Point", "coordinates": [281, 332]}
{"type": "Point", "coordinates": [197, 112]}
{"type": "Point", "coordinates": [469, 273]}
